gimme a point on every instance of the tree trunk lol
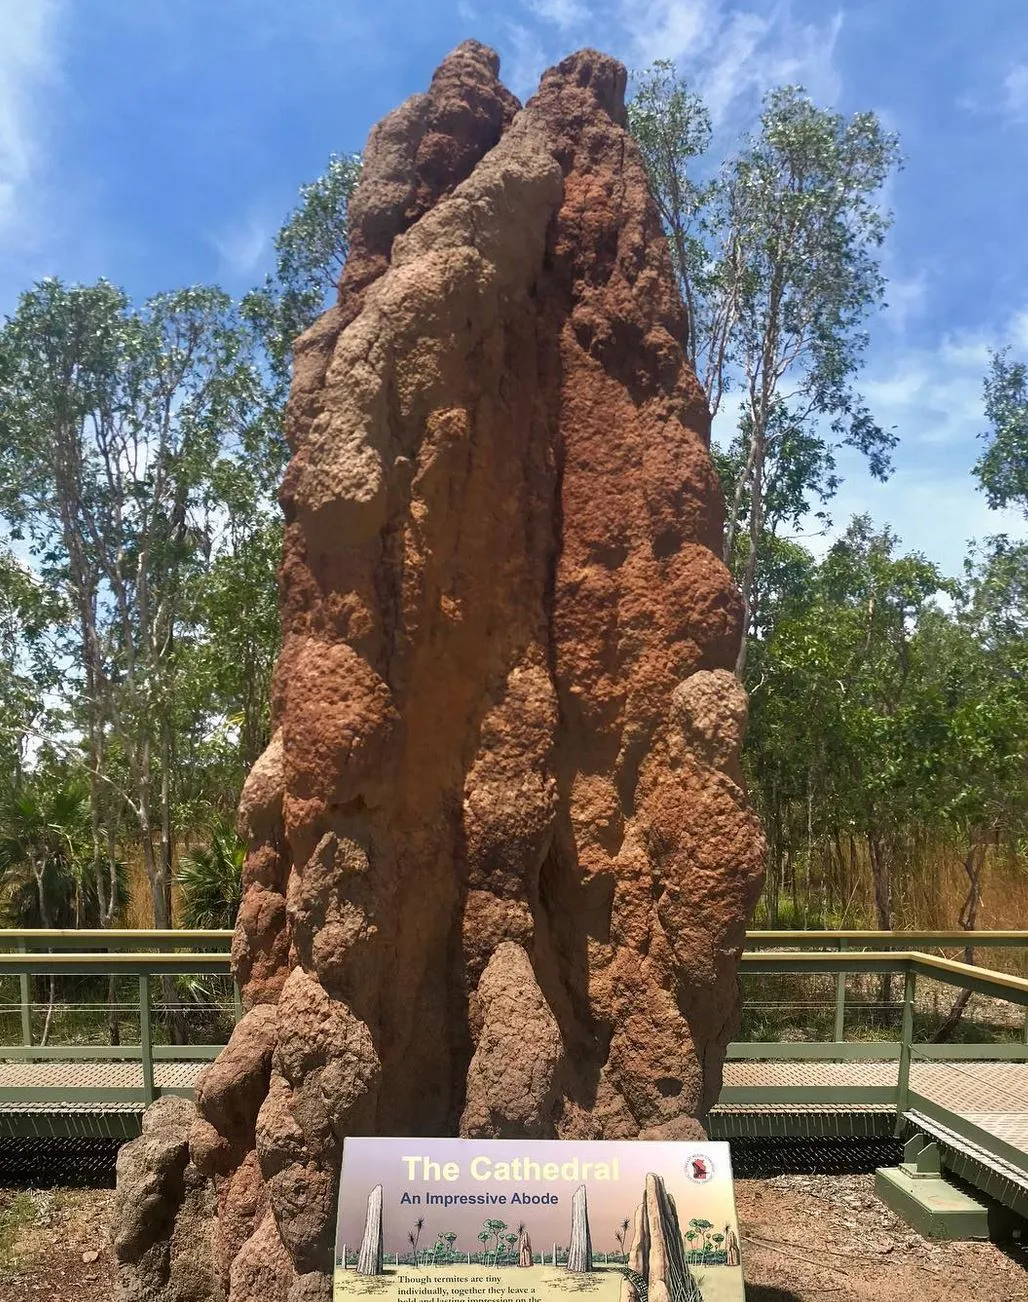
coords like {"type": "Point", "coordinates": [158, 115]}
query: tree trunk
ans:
{"type": "Point", "coordinates": [113, 1018]}
{"type": "Point", "coordinates": [882, 878]}
{"type": "Point", "coordinates": [749, 575]}
{"type": "Point", "coordinates": [974, 862]}
{"type": "Point", "coordinates": [166, 839]}
{"type": "Point", "coordinates": [110, 912]}
{"type": "Point", "coordinates": [580, 1247]}
{"type": "Point", "coordinates": [790, 866]}
{"type": "Point", "coordinates": [49, 1013]}
{"type": "Point", "coordinates": [160, 899]}
{"type": "Point", "coordinates": [370, 1257]}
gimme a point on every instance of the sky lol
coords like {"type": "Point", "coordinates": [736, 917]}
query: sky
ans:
{"type": "Point", "coordinates": [162, 142]}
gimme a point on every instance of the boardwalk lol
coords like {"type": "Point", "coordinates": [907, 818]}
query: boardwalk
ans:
{"type": "Point", "coordinates": [992, 1096]}
{"type": "Point", "coordinates": [87, 1086]}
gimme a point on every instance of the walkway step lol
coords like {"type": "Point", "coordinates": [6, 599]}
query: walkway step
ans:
{"type": "Point", "coordinates": [931, 1205]}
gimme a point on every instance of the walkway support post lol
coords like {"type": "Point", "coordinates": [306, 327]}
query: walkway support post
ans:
{"type": "Point", "coordinates": [840, 1002]}
{"type": "Point", "coordinates": [146, 1040]}
{"type": "Point", "coordinates": [26, 1005]}
{"type": "Point", "coordinates": [906, 1041]}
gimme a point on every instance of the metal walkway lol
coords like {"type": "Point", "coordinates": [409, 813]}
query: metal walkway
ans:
{"type": "Point", "coordinates": [990, 1096]}
{"type": "Point", "coordinates": [102, 1099]}
{"type": "Point", "coordinates": [975, 1112]}
{"type": "Point", "coordinates": [970, 1099]}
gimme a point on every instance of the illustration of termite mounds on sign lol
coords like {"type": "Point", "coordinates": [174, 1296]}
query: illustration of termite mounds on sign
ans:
{"type": "Point", "coordinates": [500, 859]}
{"type": "Point", "coordinates": [657, 1270]}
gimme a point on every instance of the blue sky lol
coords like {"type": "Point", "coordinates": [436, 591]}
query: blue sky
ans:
{"type": "Point", "coordinates": [161, 142]}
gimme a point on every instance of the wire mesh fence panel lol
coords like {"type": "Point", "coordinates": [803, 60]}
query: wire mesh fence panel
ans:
{"type": "Point", "coordinates": [80, 1012]}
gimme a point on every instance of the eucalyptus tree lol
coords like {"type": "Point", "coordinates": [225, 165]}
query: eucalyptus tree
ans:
{"type": "Point", "coordinates": [673, 130]}
{"type": "Point", "coordinates": [777, 257]}
{"type": "Point", "coordinates": [833, 752]}
{"type": "Point", "coordinates": [310, 250]}
{"type": "Point", "coordinates": [59, 356]}
{"type": "Point", "coordinates": [112, 419]}
{"type": "Point", "coordinates": [1002, 469]}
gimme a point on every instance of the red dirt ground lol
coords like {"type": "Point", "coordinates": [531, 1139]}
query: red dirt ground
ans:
{"type": "Point", "coordinates": [804, 1239]}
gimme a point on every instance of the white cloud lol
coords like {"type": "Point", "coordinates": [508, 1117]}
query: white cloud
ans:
{"type": "Point", "coordinates": [562, 13]}
{"type": "Point", "coordinates": [1019, 332]}
{"type": "Point", "coordinates": [525, 58]}
{"type": "Point", "coordinates": [28, 64]}
{"type": "Point", "coordinates": [1015, 92]}
{"type": "Point", "coordinates": [243, 246]}
{"type": "Point", "coordinates": [730, 52]}
{"type": "Point", "coordinates": [934, 512]}
{"type": "Point", "coordinates": [933, 396]}
{"type": "Point", "coordinates": [735, 54]}
{"type": "Point", "coordinates": [906, 298]}
{"type": "Point", "coordinates": [1002, 97]}
{"type": "Point", "coordinates": [669, 29]}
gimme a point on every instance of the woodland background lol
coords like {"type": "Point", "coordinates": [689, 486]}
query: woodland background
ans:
{"type": "Point", "coordinates": [141, 447]}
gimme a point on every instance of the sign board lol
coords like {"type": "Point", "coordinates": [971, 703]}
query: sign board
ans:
{"type": "Point", "coordinates": [464, 1220]}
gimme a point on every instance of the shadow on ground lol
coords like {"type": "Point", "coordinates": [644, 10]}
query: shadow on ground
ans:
{"type": "Point", "coordinates": [765, 1293]}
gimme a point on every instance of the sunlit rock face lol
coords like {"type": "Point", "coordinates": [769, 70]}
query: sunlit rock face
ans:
{"type": "Point", "coordinates": [500, 859]}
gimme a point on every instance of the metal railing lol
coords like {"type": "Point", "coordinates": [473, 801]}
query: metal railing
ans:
{"type": "Point", "coordinates": [909, 940]}
{"type": "Point", "coordinates": [144, 967]}
{"type": "Point", "coordinates": [910, 965]}
{"type": "Point", "coordinates": [62, 954]}
{"type": "Point", "coordinates": [115, 940]}
{"type": "Point", "coordinates": [849, 941]}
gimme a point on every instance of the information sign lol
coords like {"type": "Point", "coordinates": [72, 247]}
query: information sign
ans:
{"type": "Point", "coordinates": [463, 1220]}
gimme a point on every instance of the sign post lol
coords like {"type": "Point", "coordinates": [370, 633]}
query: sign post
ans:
{"type": "Point", "coordinates": [455, 1220]}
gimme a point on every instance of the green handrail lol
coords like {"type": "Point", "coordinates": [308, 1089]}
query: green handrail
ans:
{"type": "Point", "coordinates": [65, 964]}
{"type": "Point", "coordinates": [911, 964]}
{"type": "Point", "coordinates": [1000, 985]}
{"type": "Point", "coordinates": [914, 940]}
{"type": "Point", "coordinates": [113, 939]}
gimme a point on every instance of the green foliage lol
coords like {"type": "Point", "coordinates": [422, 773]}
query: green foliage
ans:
{"type": "Point", "coordinates": [140, 454]}
{"type": "Point", "coordinates": [672, 128]}
{"type": "Point", "coordinates": [129, 436]}
{"type": "Point", "coordinates": [45, 854]}
{"type": "Point", "coordinates": [877, 709]}
{"type": "Point", "coordinates": [777, 258]}
{"type": "Point", "coordinates": [1002, 469]}
{"type": "Point", "coordinates": [210, 881]}
{"type": "Point", "coordinates": [28, 670]}
{"type": "Point", "coordinates": [310, 250]}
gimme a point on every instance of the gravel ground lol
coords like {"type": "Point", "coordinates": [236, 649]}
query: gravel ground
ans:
{"type": "Point", "coordinates": [805, 1238]}
{"type": "Point", "coordinates": [53, 1245]}
{"type": "Point", "coordinates": [812, 1237]}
